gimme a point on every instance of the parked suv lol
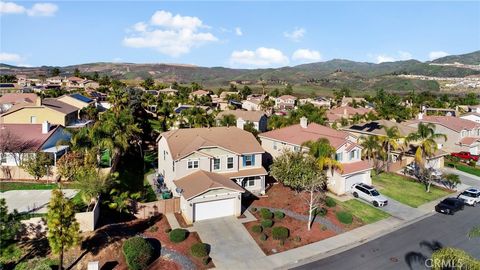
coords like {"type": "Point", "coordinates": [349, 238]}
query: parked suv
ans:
{"type": "Point", "coordinates": [465, 156]}
{"type": "Point", "coordinates": [369, 194]}
{"type": "Point", "coordinates": [449, 206]}
{"type": "Point", "coordinates": [470, 196]}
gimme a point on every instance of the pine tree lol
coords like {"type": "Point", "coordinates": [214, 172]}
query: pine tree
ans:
{"type": "Point", "coordinates": [63, 229]}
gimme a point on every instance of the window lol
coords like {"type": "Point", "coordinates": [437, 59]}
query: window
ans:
{"type": "Point", "coordinates": [193, 164]}
{"type": "Point", "coordinates": [248, 160]}
{"type": "Point", "coordinates": [339, 156]}
{"type": "Point", "coordinates": [33, 119]}
{"type": "Point", "coordinates": [464, 133]}
{"type": "Point", "coordinates": [296, 148]}
{"type": "Point", "coordinates": [216, 164]}
{"type": "Point", "coordinates": [230, 163]}
{"type": "Point", "coordinates": [352, 155]}
{"type": "Point", "coordinates": [164, 154]}
{"type": "Point", "coordinates": [248, 181]}
{"type": "Point", "coordinates": [173, 166]}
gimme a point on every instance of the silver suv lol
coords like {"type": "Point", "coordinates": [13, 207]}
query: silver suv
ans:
{"type": "Point", "coordinates": [368, 193]}
{"type": "Point", "coordinates": [470, 196]}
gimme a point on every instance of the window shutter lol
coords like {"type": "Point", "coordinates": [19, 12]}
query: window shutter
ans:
{"type": "Point", "coordinates": [253, 160]}
{"type": "Point", "coordinates": [244, 161]}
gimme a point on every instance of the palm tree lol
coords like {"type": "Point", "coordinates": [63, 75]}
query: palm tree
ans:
{"type": "Point", "coordinates": [228, 120]}
{"type": "Point", "coordinates": [426, 139]}
{"type": "Point", "coordinates": [324, 153]}
{"type": "Point", "coordinates": [390, 141]}
{"type": "Point", "coordinates": [371, 146]}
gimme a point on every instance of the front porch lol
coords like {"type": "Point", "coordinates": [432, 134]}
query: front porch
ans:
{"type": "Point", "coordinates": [254, 184]}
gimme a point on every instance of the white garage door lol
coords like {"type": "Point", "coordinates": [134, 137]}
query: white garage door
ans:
{"type": "Point", "coordinates": [214, 209]}
{"type": "Point", "coordinates": [353, 179]}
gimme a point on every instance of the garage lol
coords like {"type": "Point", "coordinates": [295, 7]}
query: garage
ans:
{"type": "Point", "coordinates": [214, 209]}
{"type": "Point", "coordinates": [353, 179]}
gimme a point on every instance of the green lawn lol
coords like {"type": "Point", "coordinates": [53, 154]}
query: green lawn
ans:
{"type": "Point", "coordinates": [468, 169]}
{"type": "Point", "coordinates": [405, 190]}
{"type": "Point", "coordinates": [6, 186]}
{"type": "Point", "coordinates": [366, 213]}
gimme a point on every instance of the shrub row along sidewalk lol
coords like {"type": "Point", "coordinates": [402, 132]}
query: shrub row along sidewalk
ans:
{"type": "Point", "coordinates": [318, 219]}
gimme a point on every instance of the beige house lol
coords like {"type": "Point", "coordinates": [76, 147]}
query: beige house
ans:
{"type": "Point", "coordinates": [462, 134]}
{"type": "Point", "coordinates": [210, 168]}
{"type": "Point", "coordinates": [285, 102]}
{"type": "Point", "coordinates": [348, 152]}
{"type": "Point", "coordinates": [257, 118]}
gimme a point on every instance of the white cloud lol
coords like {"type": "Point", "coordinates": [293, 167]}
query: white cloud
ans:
{"type": "Point", "coordinates": [38, 9]}
{"type": "Point", "coordinates": [43, 9]}
{"type": "Point", "coordinates": [10, 57]}
{"type": "Point", "coordinates": [169, 34]}
{"type": "Point", "coordinates": [400, 56]}
{"type": "Point", "coordinates": [11, 8]}
{"type": "Point", "coordinates": [306, 55]}
{"type": "Point", "coordinates": [261, 57]}
{"type": "Point", "coordinates": [296, 35]}
{"type": "Point", "coordinates": [238, 31]}
{"type": "Point", "coordinates": [437, 54]}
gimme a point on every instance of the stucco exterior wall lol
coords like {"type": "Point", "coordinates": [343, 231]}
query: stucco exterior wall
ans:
{"type": "Point", "coordinates": [41, 114]}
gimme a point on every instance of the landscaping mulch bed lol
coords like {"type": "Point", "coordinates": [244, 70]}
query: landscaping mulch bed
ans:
{"type": "Point", "coordinates": [164, 264]}
{"type": "Point", "coordinates": [296, 227]}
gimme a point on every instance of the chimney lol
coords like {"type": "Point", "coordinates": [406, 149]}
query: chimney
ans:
{"type": "Point", "coordinates": [45, 127]}
{"type": "Point", "coordinates": [304, 122]}
{"type": "Point", "coordinates": [240, 123]}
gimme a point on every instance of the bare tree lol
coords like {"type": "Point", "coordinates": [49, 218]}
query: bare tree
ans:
{"type": "Point", "coordinates": [13, 146]}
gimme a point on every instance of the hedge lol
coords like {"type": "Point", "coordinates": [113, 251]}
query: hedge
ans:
{"type": "Point", "coordinates": [267, 223]}
{"type": "Point", "coordinates": [344, 217]}
{"type": "Point", "coordinates": [199, 250]}
{"type": "Point", "coordinates": [279, 214]}
{"type": "Point", "coordinates": [178, 235]}
{"type": "Point", "coordinates": [257, 229]}
{"type": "Point", "coordinates": [265, 213]}
{"type": "Point", "coordinates": [280, 233]}
{"type": "Point", "coordinates": [329, 202]}
{"type": "Point", "coordinates": [138, 253]}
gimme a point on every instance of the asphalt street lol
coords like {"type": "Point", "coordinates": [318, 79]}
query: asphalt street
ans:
{"type": "Point", "coordinates": [402, 248]}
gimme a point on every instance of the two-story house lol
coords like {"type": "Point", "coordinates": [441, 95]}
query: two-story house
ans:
{"type": "Point", "coordinates": [257, 118]}
{"type": "Point", "coordinates": [210, 169]}
{"type": "Point", "coordinates": [462, 134]}
{"type": "Point", "coordinates": [285, 102]}
{"type": "Point", "coordinates": [348, 152]}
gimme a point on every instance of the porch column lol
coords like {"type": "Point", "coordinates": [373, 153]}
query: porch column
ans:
{"type": "Point", "coordinates": [262, 182]}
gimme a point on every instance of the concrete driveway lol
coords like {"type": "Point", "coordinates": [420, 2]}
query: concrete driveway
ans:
{"type": "Point", "coordinates": [400, 210]}
{"type": "Point", "coordinates": [31, 200]}
{"type": "Point", "coordinates": [230, 242]}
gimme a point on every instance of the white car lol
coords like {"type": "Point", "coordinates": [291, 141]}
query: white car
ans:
{"type": "Point", "coordinates": [470, 196]}
{"type": "Point", "coordinates": [369, 194]}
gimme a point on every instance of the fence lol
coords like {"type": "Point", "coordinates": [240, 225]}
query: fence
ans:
{"type": "Point", "coordinates": [150, 209]}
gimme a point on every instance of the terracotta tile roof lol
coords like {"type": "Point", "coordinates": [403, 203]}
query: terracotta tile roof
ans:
{"type": "Point", "coordinates": [31, 134]}
{"type": "Point", "coordinates": [451, 122]}
{"type": "Point", "coordinates": [297, 135]}
{"type": "Point", "coordinates": [185, 141]}
{"type": "Point", "coordinates": [252, 116]}
{"type": "Point", "coordinates": [349, 168]}
{"type": "Point", "coordinates": [469, 140]}
{"type": "Point", "coordinates": [14, 98]}
{"type": "Point", "coordinates": [377, 128]}
{"type": "Point", "coordinates": [285, 97]}
{"type": "Point", "coordinates": [202, 181]}
{"type": "Point", "coordinates": [245, 173]}
{"type": "Point", "coordinates": [200, 93]}
{"type": "Point", "coordinates": [59, 106]}
{"type": "Point", "coordinates": [345, 112]}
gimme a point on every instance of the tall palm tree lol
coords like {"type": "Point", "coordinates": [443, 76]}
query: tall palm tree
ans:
{"type": "Point", "coordinates": [324, 153]}
{"type": "Point", "coordinates": [426, 137]}
{"type": "Point", "coordinates": [228, 120]}
{"type": "Point", "coordinates": [371, 147]}
{"type": "Point", "coordinates": [390, 142]}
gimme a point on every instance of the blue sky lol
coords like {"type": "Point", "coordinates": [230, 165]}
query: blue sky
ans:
{"type": "Point", "coordinates": [234, 34]}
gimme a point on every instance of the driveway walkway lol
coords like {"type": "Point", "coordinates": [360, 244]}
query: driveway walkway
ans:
{"type": "Point", "coordinates": [400, 210]}
{"type": "Point", "coordinates": [229, 240]}
{"type": "Point", "coordinates": [31, 200]}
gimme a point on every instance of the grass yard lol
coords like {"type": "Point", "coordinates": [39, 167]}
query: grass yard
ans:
{"type": "Point", "coordinates": [366, 213]}
{"type": "Point", "coordinates": [6, 186]}
{"type": "Point", "coordinates": [468, 169]}
{"type": "Point", "coordinates": [405, 190]}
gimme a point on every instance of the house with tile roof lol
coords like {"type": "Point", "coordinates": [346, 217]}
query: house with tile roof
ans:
{"type": "Point", "coordinates": [18, 140]}
{"type": "Point", "coordinates": [257, 118]}
{"type": "Point", "coordinates": [347, 112]}
{"type": "Point", "coordinates": [285, 102]}
{"type": "Point", "coordinates": [462, 134]}
{"type": "Point", "coordinates": [472, 116]}
{"type": "Point", "coordinates": [210, 169]}
{"type": "Point", "coordinates": [8, 100]}
{"type": "Point", "coordinates": [348, 152]}
{"type": "Point", "coordinates": [199, 93]}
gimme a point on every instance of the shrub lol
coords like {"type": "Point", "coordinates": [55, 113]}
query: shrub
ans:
{"type": "Point", "coordinates": [320, 211]}
{"type": "Point", "coordinates": [167, 230]}
{"type": "Point", "coordinates": [36, 263]}
{"type": "Point", "coordinates": [279, 214]}
{"type": "Point", "coordinates": [257, 229]}
{"type": "Point", "coordinates": [472, 163]}
{"type": "Point", "coordinates": [267, 223]}
{"type": "Point", "coordinates": [282, 242]}
{"type": "Point", "coordinates": [280, 233]}
{"type": "Point", "coordinates": [297, 239]}
{"type": "Point", "coordinates": [344, 217]}
{"type": "Point", "coordinates": [263, 237]}
{"type": "Point", "coordinates": [138, 253]}
{"type": "Point", "coordinates": [199, 250]}
{"type": "Point", "coordinates": [206, 260]}
{"type": "Point", "coordinates": [254, 209]}
{"type": "Point", "coordinates": [265, 213]}
{"type": "Point", "coordinates": [178, 235]}
{"type": "Point", "coordinates": [329, 202]}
